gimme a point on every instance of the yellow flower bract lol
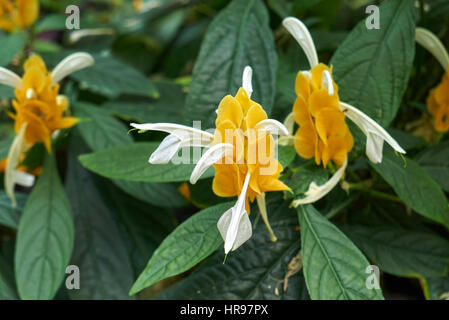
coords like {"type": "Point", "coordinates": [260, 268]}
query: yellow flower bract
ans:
{"type": "Point", "coordinates": [38, 104]}
{"type": "Point", "coordinates": [438, 104]}
{"type": "Point", "coordinates": [240, 116]}
{"type": "Point", "coordinates": [323, 133]}
{"type": "Point", "coordinates": [18, 14]}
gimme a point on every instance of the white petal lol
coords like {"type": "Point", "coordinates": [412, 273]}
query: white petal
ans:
{"type": "Point", "coordinates": [75, 36]}
{"type": "Point", "coordinates": [328, 83]}
{"type": "Point", "coordinates": [289, 123]}
{"type": "Point", "coordinates": [70, 64]}
{"type": "Point", "coordinates": [261, 203]}
{"type": "Point", "coordinates": [431, 42]}
{"type": "Point", "coordinates": [302, 35]}
{"type": "Point", "coordinates": [374, 147]}
{"type": "Point", "coordinates": [24, 179]}
{"type": "Point", "coordinates": [15, 150]}
{"type": "Point", "coordinates": [246, 81]}
{"type": "Point", "coordinates": [166, 150]}
{"type": "Point", "coordinates": [374, 132]}
{"type": "Point", "coordinates": [234, 227]}
{"type": "Point", "coordinates": [316, 192]}
{"type": "Point", "coordinates": [183, 132]}
{"type": "Point", "coordinates": [244, 231]}
{"type": "Point", "coordinates": [9, 78]}
{"type": "Point", "coordinates": [211, 156]}
{"type": "Point", "coordinates": [272, 126]}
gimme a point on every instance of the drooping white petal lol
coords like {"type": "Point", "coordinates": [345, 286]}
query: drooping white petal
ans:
{"type": "Point", "coordinates": [234, 225]}
{"type": "Point", "coordinates": [182, 132]}
{"type": "Point", "coordinates": [75, 36]}
{"type": "Point", "coordinates": [166, 150]}
{"type": "Point", "coordinates": [289, 123]}
{"type": "Point", "coordinates": [70, 64]}
{"type": "Point", "coordinates": [15, 150]}
{"type": "Point", "coordinates": [316, 192]}
{"type": "Point", "coordinates": [374, 132]}
{"type": "Point", "coordinates": [9, 78]}
{"type": "Point", "coordinates": [431, 42]}
{"type": "Point", "coordinates": [210, 157]}
{"type": "Point", "coordinates": [246, 81]}
{"type": "Point", "coordinates": [272, 126]}
{"type": "Point", "coordinates": [328, 83]}
{"type": "Point", "coordinates": [302, 35]}
{"type": "Point", "coordinates": [24, 179]}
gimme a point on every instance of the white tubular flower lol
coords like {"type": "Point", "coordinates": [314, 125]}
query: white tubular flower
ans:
{"type": "Point", "coordinates": [302, 35]}
{"type": "Point", "coordinates": [9, 78]}
{"type": "Point", "coordinates": [375, 134]}
{"type": "Point", "coordinates": [234, 225]}
{"type": "Point", "coordinates": [71, 64]}
{"type": "Point", "coordinates": [179, 136]}
{"type": "Point", "coordinates": [211, 156]}
{"type": "Point", "coordinates": [12, 177]}
{"type": "Point", "coordinates": [315, 192]}
{"type": "Point", "coordinates": [431, 42]}
{"type": "Point", "coordinates": [247, 80]}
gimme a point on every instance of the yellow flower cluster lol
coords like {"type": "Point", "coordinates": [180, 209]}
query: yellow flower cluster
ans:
{"type": "Point", "coordinates": [38, 104]}
{"type": "Point", "coordinates": [237, 117]}
{"type": "Point", "coordinates": [322, 132]}
{"type": "Point", "coordinates": [438, 104]}
{"type": "Point", "coordinates": [18, 14]}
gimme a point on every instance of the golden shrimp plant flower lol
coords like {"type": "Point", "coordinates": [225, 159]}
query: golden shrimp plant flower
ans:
{"type": "Point", "coordinates": [39, 109]}
{"type": "Point", "coordinates": [18, 14]}
{"type": "Point", "coordinates": [241, 149]}
{"type": "Point", "coordinates": [438, 99]}
{"type": "Point", "coordinates": [323, 133]}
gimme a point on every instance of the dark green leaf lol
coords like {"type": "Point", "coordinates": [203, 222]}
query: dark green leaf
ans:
{"type": "Point", "coordinates": [372, 66]}
{"type": "Point", "coordinates": [45, 237]}
{"type": "Point", "coordinates": [8, 290]}
{"type": "Point", "coordinates": [334, 268]}
{"type": "Point", "coordinates": [9, 216]}
{"type": "Point", "coordinates": [401, 252]}
{"type": "Point", "coordinates": [100, 251]}
{"type": "Point", "coordinates": [111, 78]}
{"type": "Point", "coordinates": [190, 243]}
{"type": "Point", "coordinates": [437, 288]}
{"type": "Point", "coordinates": [130, 162]}
{"type": "Point", "coordinates": [435, 161]}
{"type": "Point", "coordinates": [5, 144]}
{"type": "Point", "coordinates": [11, 45]}
{"type": "Point", "coordinates": [239, 36]}
{"type": "Point", "coordinates": [415, 187]}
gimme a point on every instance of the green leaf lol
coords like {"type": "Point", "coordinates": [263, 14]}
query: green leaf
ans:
{"type": "Point", "coordinates": [143, 226]}
{"type": "Point", "coordinates": [9, 216]}
{"type": "Point", "coordinates": [402, 252]}
{"type": "Point", "coordinates": [45, 237]}
{"type": "Point", "coordinates": [436, 288]}
{"type": "Point", "coordinates": [130, 162]}
{"type": "Point", "coordinates": [168, 108]}
{"type": "Point", "coordinates": [299, 182]}
{"type": "Point", "coordinates": [334, 268]}
{"type": "Point", "coordinates": [286, 155]}
{"type": "Point", "coordinates": [415, 187]}
{"type": "Point", "coordinates": [238, 36]}
{"type": "Point", "coordinates": [12, 45]}
{"type": "Point", "coordinates": [202, 195]}
{"type": "Point", "coordinates": [8, 290]}
{"type": "Point", "coordinates": [100, 251]}
{"type": "Point", "coordinates": [372, 66]}
{"type": "Point", "coordinates": [101, 130]}
{"type": "Point", "coordinates": [435, 161]}
{"type": "Point", "coordinates": [188, 244]}
{"type": "Point", "coordinates": [5, 144]}
{"type": "Point", "coordinates": [111, 78]}
{"type": "Point", "coordinates": [256, 270]}
{"type": "Point", "coordinates": [51, 22]}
